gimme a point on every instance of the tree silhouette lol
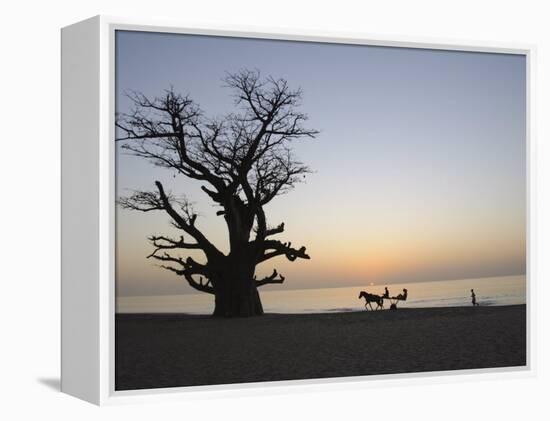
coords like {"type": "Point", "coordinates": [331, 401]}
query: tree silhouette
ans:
{"type": "Point", "coordinates": [244, 161]}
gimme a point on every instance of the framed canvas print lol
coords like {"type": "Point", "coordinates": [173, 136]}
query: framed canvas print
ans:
{"type": "Point", "coordinates": [248, 209]}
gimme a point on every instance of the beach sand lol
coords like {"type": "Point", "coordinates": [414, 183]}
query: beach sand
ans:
{"type": "Point", "coordinates": [168, 350]}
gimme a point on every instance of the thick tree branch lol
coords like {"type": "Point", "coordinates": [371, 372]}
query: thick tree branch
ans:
{"type": "Point", "coordinates": [198, 285]}
{"type": "Point", "coordinates": [274, 248]}
{"type": "Point", "coordinates": [189, 268]}
{"type": "Point", "coordinates": [187, 225]}
{"type": "Point", "coordinates": [276, 230]}
{"type": "Point", "coordinates": [272, 279]}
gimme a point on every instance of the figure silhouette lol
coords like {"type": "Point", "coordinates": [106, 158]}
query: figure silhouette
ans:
{"type": "Point", "coordinates": [399, 297]}
{"type": "Point", "coordinates": [474, 301]}
{"type": "Point", "coordinates": [403, 296]}
{"type": "Point", "coordinates": [386, 293]}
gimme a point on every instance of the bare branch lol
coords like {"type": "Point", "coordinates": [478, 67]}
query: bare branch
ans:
{"type": "Point", "coordinates": [274, 248]}
{"type": "Point", "coordinates": [164, 243]}
{"type": "Point", "coordinates": [274, 230]}
{"type": "Point", "coordinates": [189, 268]}
{"type": "Point", "coordinates": [142, 201]}
{"type": "Point", "coordinates": [272, 279]}
{"type": "Point", "coordinates": [187, 224]}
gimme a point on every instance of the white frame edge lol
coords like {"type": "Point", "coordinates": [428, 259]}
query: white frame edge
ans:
{"type": "Point", "coordinates": [88, 337]}
{"type": "Point", "coordinates": [80, 121]}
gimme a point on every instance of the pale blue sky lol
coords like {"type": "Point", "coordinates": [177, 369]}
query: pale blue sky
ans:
{"type": "Point", "coordinates": [419, 167]}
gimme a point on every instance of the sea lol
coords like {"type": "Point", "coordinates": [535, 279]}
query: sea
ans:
{"type": "Point", "coordinates": [495, 291]}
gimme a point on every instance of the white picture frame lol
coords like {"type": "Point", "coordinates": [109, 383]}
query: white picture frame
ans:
{"type": "Point", "coordinates": [88, 209]}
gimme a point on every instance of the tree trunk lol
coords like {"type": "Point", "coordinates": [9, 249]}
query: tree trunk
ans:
{"type": "Point", "coordinates": [241, 302]}
{"type": "Point", "coordinates": [236, 294]}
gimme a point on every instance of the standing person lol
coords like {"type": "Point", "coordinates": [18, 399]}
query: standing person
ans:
{"type": "Point", "coordinates": [474, 302]}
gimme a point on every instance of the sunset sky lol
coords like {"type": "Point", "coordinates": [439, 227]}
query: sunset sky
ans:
{"type": "Point", "coordinates": [419, 169]}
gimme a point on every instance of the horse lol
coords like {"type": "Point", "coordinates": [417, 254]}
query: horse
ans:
{"type": "Point", "coordinates": [372, 298]}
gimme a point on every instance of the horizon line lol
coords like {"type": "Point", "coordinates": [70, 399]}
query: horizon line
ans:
{"type": "Point", "coordinates": [342, 286]}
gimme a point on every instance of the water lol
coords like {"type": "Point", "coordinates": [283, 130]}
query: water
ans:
{"type": "Point", "coordinates": [489, 291]}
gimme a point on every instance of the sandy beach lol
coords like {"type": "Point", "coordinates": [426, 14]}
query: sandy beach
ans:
{"type": "Point", "coordinates": [168, 350]}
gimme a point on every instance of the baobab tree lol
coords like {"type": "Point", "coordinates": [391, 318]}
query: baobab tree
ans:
{"type": "Point", "coordinates": [243, 161]}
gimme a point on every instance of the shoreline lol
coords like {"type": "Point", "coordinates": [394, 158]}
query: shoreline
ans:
{"type": "Point", "coordinates": [509, 290]}
{"type": "Point", "coordinates": [328, 311]}
{"type": "Point", "coordinates": [154, 350]}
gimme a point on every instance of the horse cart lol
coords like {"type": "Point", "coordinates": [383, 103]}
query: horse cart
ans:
{"type": "Point", "coordinates": [379, 299]}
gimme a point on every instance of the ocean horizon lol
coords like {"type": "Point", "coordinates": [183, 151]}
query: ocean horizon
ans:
{"type": "Point", "coordinates": [491, 291]}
